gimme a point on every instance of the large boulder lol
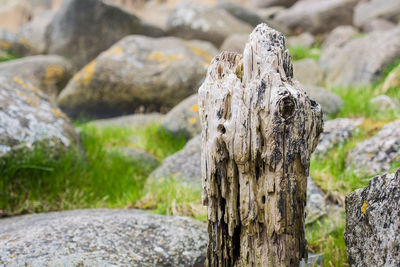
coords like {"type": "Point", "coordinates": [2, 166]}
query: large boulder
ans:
{"type": "Point", "coordinates": [82, 29]}
{"type": "Point", "coordinates": [27, 117]}
{"type": "Point", "coordinates": [102, 238]}
{"type": "Point", "coordinates": [269, 3]}
{"type": "Point", "coordinates": [372, 233]}
{"type": "Point", "coordinates": [241, 13]}
{"type": "Point", "coordinates": [330, 102]}
{"type": "Point", "coordinates": [352, 63]}
{"type": "Point", "coordinates": [48, 73]}
{"type": "Point", "coordinates": [375, 154]}
{"type": "Point", "coordinates": [138, 74]}
{"type": "Point", "coordinates": [307, 71]}
{"type": "Point", "coordinates": [337, 38]}
{"type": "Point", "coordinates": [11, 43]}
{"type": "Point", "coordinates": [194, 21]}
{"type": "Point", "coordinates": [15, 14]}
{"type": "Point", "coordinates": [184, 118]}
{"type": "Point", "coordinates": [317, 16]}
{"type": "Point", "coordinates": [378, 25]}
{"type": "Point", "coordinates": [366, 11]}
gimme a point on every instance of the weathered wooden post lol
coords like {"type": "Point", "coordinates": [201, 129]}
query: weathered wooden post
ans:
{"type": "Point", "coordinates": [259, 129]}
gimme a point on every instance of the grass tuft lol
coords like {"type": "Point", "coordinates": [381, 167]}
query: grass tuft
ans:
{"type": "Point", "coordinates": [301, 52]}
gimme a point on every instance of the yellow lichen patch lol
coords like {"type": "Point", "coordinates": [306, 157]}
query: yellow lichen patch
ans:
{"type": "Point", "coordinates": [192, 120]}
{"type": "Point", "coordinates": [53, 72]}
{"type": "Point", "coordinates": [24, 85]}
{"type": "Point", "coordinates": [118, 50]}
{"type": "Point", "coordinates": [85, 76]}
{"type": "Point", "coordinates": [114, 51]}
{"type": "Point", "coordinates": [58, 113]}
{"type": "Point", "coordinates": [364, 208]}
{"type": "Point", "coordinates": [371, 127]}
{"type": "Point", "coordinates": [160, 57]}
{"type": "Point", "coordinates": [5, 45]}
{"type": "Point", "coordinates": [30, 100]}
{"type": "Point", "coordinates": [195, 108]}
{"type": "Point", "coordinates": [200, 52]}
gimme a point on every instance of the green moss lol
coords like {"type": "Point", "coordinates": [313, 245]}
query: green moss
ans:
{"type": "Point", "coordinates": [5, 56]}
{"type": "Point", "coordinates": [301, 52]}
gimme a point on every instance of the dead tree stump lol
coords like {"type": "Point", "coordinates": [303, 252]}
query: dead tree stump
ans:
{"type": "Point", "coordinates": [259, 129]}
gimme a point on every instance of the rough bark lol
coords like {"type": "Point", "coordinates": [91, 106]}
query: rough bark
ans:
{"type": "Point", "coordinates": [259, 129]}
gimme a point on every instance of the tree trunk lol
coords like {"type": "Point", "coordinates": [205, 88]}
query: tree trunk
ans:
{"type": "Point", "coordinates": [259, 129]}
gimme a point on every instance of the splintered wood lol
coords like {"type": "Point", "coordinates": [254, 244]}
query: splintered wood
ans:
{"type": "Point", "coordinates": [259, 129]}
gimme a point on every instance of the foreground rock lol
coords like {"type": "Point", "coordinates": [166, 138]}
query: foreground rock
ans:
{"type": "Point", "coordinates": [366, 11]}
{"type": "Point", "coordinates": [194, 21]}
{"type": "Point", "coordinates": [67, 35]}
{"type": "Point", "coordinates": [137, 74]}
{"type": "Point", "coordinates": [372, 233]}
{"type": "Point", "coordinates": [102, 238]}
{"type": "Point", "coordinates": [48, 73]}
{"type": "Point", "coordinates": [375, 155]}
{"type": "Point", "coordinates": [317, 16]}
{"type": "Point", "coordinates": [27, 117]}
{"type": "Point", "coordinates": [330, 102]}
{"type": "Point", "coordinates": [184, 118]}
{"type": "Point", "coordinates": [352, 63]}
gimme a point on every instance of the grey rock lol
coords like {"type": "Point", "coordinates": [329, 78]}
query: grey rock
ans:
{"type": "Point", "coordinates": [365, 11]}
{"type": "Point", "coordinates": [134, 120]}
{"type": "Point", "coordinates": [11, 43]}
{"type": "Point", "coordinates": [184, 118]}
{"type": "Point", "coordinates": [307, 71]}
{"type": "Point", "coordinates": [67, 34]}
{"type": "Point", "coordinates": [384, 102]}
{"type": "Point", "coordinates": [28, 117]}
{"type": "Point", "coordinates": [375, 154]}
{"type": "Point", "coordinates": [317, 16]}
{"type": "Point", "coordinates": [304, 39]}
{"type": "Point", "coordinates": [48, 73]}
{"type": "Point", "coordinates": [138, 74]}
{"type": "Point", "coordinates": [269, 3]}
{"type": "Point", "coordinates": [314, 259]}
{"type": "Point", "coordinates": [352, 63]}
{"type": "Point", "coordinates": [241, 13]}
{"type": "Point", "coordinates": [338, 37]}
{"type": "Point", "coordinates": [336, 132]}
{"type": "Point", "coordinates": [372, 232]}
{"type": "Point", "coordinates": [194, 21]}
{"type": "Point", "coordinates": [102, 238]}
{"type": "Point", "coordinates": [316, 205]}
{"type": "Point", "coordinates": [330, 102]}
{"type": "Point", "coordinates": [137, 155]}
{"type": "Point", "coordinates": [235, 43]}
{"type": "Point", "coordinates": [14, 14]}
{"type": "Point", "coordinates": [378, 25]}
{"type": "Point", "coordinates": [269, 13]}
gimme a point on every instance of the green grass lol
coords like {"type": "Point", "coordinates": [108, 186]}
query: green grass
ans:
{"type": "Point", "coordinates": [33, 181]}
{"type": "Point", "coordinates": [5, 56]}
{"type": "Point", "coordinates": [301, 52]}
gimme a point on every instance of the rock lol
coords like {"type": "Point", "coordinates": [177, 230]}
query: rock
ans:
{"type": "Point", "coordinates": [48, 73]}
{"type": "Point", "coordinates": [137, 74]}
{"type": "Point", "coordinates": [307, 71]}
{"type": "Point", "coordinates": [316, 205]}
{"type": "Point", "coordinates": [352, 64]}
{"type": "Point", "coordinates": [392, 80]}
{"type": "Point", "coordinates": [330, 102]}
{"type": "Point", "coordinates": [269, 3]}
{"type": "Point", "coordinates": [184, 118]}
{"type": "Point", "coordinates": [15, 14]}
{"type": "Point", "coordinates": [137, 155]}
{"type": "Point", "coordinates": [378, 25]}
{"type": "Point", "coordinates": [67, 35]}
{"type": "Point", "coordinates": [314, 259]}
{"type": "Point", "coordinates": [184, 165]}
{"type": "Point", "coordinates": [372, 233]}
{"type": "Point", "coordinates": [102, 237]}
{"type": "Point", "coordinates": [317, 16]}
{"type": "Point", "coordinates": [133, 121]}
{"type": "Point", "coordinates": [304, 39]}
{"type": "Point", "coordinates": [336, 132]}
{"type": "Point", "coordinates": [27, 117]}
{"type": "Point", "coordinates": [235, 42]}
{"type": "Point", "coordinates": [10, 43]}
{"type": "Point", "coordinates": [268, 14]}
{"type": "Point", "coordinates": [365, 11]}
{"type": "Point", "coordinates": [241, 13]}
{"type": "Point", "coordinates": [384, 102]}
{"type": "Point", "coordinates": [194, 21]}
{"type": "Point", "coordinates": [375, 154]}
{"type": "Point", "coordinates": [338, 37]}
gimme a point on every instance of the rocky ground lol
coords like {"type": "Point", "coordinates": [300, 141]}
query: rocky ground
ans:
{"type": "Point", "coordinates": [99, 109]}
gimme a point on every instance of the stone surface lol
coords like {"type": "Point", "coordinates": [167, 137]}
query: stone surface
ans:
{"type": "Point", "coordinates": [384, 102]}
{"type": "Point", "coordinates": [102, 238]}
{"type": "Point", "coordinates": [269, 3]}
{"type": "Point", "coordinates": [15, 14]}
{"type": "Point", "coordinates": [48, 73]}
{"type": "Point", "coordinates": [392, 81]}
{"type": "Point", "coordinates": [337, 38]}
{"type": "Point", "coordinates": [235, 42]}
{"type": "Point", "coordinates": [134, 120]}
{"type": "Point", "coordinates": [184, 165]}
{"type": "Point", "coordinates": [308, 72]}
{"type": "Point", "coordinates": [11, 43]}
{"type": "Point", "coordinates": [184, 118]}
{"type": "Point", "coordinates": [375, 154]}
{"type": "Point", "coordinates": [365, 11]}
{"type": "Point", "coordinates": [330, 102]}
{"type": "Point", "coordinates": [67, 35]}
{"type": "Point", "coordinates": [352, 63]}
{"type": "Point", "coordinates": [28, 117]}
{"type": "Point", "coordinates": [378, 25]}
{"type": "Point", "coordinates": [336, 132]}
{"type": "Point", "coordinates": [304, 39]}
{"type": "Point", "coordinates": [316, 205]}
{"type": "Point", "coordinates": [241, 13]}
{"type": "Point", "coordinates": [137, 74]}
{"type": "Point", "coordinates": [194, 21]}
{"type": "Point", "coordinates": [317, 16]}
{"type": "Point", "coordinates": [372, 232]}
